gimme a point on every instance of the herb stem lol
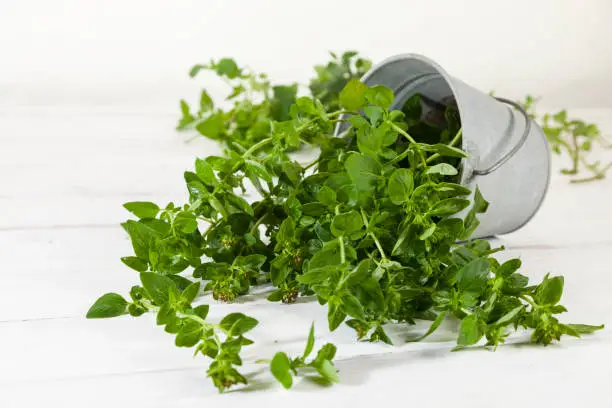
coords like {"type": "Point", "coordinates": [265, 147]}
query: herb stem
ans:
{"type": "Point", "coordinates": [374, 237]}
{"type": "Point", "coordinates": [239, 146]}
{"type": "Point", "coordinates": [526, 299]}
{"type": "Point", "coordinates": [311, 164]}
{"type": "Point", "coordinates": [402, 132]}
{"type": "Point", "coordinates": [152, 308]}
{"type": "Point", "coordinates": [587, 179]}
{"type": "Point", "coordinates": [257, 146]}
{"type": "Point", "coordinates": [311, 121]}
{"type": "Point", "coordinates": [342, 254]}
{"type": "Point", "coordinates": [451, 144]}
{"type": "Point", "coordinates": [341, 241]}
{"type": "Point", "coordinates": [400, 156]}
{"type": "Point", "coordinates": [257, 223]}
{"type": "Point", "coordinates": [575, 155]}
{"type": "Point", "coordinates": [410, 139]}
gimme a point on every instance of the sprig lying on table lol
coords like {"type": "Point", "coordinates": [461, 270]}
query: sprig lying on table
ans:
{"type": "Point", "coordinates": [369, 229]}
{"type": "Point", "coordinates": [573, 137]}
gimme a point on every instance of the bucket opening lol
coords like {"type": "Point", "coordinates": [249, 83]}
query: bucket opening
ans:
{"type": "Point", "coordinates": [509, 158]}
{"type": "Point", "coordinates": [432, 112]}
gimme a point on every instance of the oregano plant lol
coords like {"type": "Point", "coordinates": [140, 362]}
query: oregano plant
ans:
{"type": "Point", "coordinates": [574, 138]}
{"type": "Point", "coordinates": [369, 229]}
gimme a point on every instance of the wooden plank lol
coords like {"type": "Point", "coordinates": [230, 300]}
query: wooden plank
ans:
{"type": "Point", "coordinates": [119, 361]}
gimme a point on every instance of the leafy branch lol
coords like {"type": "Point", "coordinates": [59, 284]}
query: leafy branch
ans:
{"type": "Point", "coordinates": [573, 137]}
{"type": "Point", "coordinates": [371, 228]}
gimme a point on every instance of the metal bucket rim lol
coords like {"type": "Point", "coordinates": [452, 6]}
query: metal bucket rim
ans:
{"type": "Point", "coordinates": [466, 175]}
{"type": "Point", "coordinates": [466, 178]}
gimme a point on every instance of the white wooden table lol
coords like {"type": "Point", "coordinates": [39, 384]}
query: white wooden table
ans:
{"type": "Point", "coordinates": [64, 174]}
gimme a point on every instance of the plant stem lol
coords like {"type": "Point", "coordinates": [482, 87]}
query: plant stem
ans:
{"type": "Point", "coordinates": [342, 254]}
{"type": "Point", "coordinates": [400, 156]}
{"type": "Point", "coordinates": [240, 147]}
{"type": "Point", "coordinates": [526, 299]}
{"type": "Point", "coordinates": [257, 146]}
{"type": "Point", "coordinates": [374, 237]}
{"type": "Point", "coordinates": [152, 308]}
{"type": "Point", "coordinates": [311, 164]}
{"type": "Point", "coordinates": [410, 139]}
{"type": "Point", "coordinates": [576, 154]}
{"type": "Point", "coordinates": [328, 116]}
{"type": "Point", "coordinates": [257, 223]}
{"type": "Point", "coordinates": [451, 144]}
{"type": "Point", "coordinates": [213, 224]}
{"type": "Point", "coordinates": [341, 240]}
{"type": "Point", "coordinates": [402, 132]}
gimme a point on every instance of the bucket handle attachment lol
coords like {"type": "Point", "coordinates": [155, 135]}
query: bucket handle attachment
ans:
{"type": "Point", "coordinates": [516, 148]}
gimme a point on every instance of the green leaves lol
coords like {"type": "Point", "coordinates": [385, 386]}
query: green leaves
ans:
{"type": "Point", "coordinates": [332, 77]}
{"type": "Point", "coordinates": [549, 291]}
{"type": "Point", "coordinates": [573, 138]}
{"type": "Point", "coordinates": [309, 343]}
{"type": "Point", "coordinates": [349, 224]}
{"type": "Point", "coordinates": [142, 209]}
{"type": "Point", "coordinates": [364, 172]}
{"type": "Point", "coordinates": [328, 371]}
{"type": "Point", "coordinates": [236, 324]}
{"type": "Point", "coordinates": [201, 311]}
{"type": "Point", "coordinates": [442, 169]}
{"type": "Point", "coordinates": [108, 305]}
{"type": "Point", "coordinates": [401, 185]}
{"type": "Point", "coordinates": [187, 118]}
{"type": "Point", "coordinates": [369, 228]}
{"type": "Point", "coordinates": [335, 314]}
{"type": "Point", "coordinates": [479, 206]}
{"type": "Point", "coordinates": [317, 275]}
{"type": "Point", "coordinates": [227, 67]}
{"type": "Point", "coordinates": [362, 169]}
{"type": "Point", "coordinates": [281, 369]}
{"type": "Point", "coordinates": [443, 150]}
{"type": "Point", "coordinates": [509, 317]}
{"type": "Point", "coordinates": [352, 306]}
{"type": "Point", "coordinates": [142, 237]}
{"type": "Point", "coordinates": [206, 103]}
{"type": "Point", "coordinates": [157, 286]}
{"type": "Point", "coordinates": [205, 172]}
{"type": "Point", "coordinates": [380, 96]}
{"type": "Point", "coordinates": [353, 96]}
{"type": "Point", "coordinates": [135, 263]}
{"type": "Point", "coordinates": [471, 331]}
{"type": "Point", "coordinates": [189, 334]}
{"type": "Point", "coordinates": [434, 326]}
{"type": "Point", "coordinates": [448, 207]}
{"type": "Point", "coordinates": [585, 328]}
{"type": "Point", "coordinates": [509, 267]}
{"type": "Point", "coordinates": [212, 127]}
{"type": "Point", "coordinates": [185, 222]}
{"type": "Point", "coordinates": [473, 276]}
{"type": "Point", "coordinates": [327, 196]}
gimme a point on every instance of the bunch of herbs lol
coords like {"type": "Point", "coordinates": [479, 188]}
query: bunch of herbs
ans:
{"type": "Point", "coordinates": [370, 228]}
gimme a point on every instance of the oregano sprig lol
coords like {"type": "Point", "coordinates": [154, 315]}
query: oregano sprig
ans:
{"type": "Point", "coordinates": [572, 137]}
{"type": "Point", "coordinates": [370, 228]}
{"type": "Point", "coordinates": [284, 368]}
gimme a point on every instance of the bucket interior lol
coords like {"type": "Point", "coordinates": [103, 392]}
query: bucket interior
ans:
{"type": "Point", "coordinates": [440, 118]}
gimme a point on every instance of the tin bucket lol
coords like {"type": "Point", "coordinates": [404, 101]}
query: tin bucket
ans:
{"type": "Point", "coordinates": [509, 158]}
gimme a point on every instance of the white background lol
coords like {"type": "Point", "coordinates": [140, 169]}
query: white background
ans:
{"type": "Point", "coordinates": [88, 106]}
{"type": "Point", "coordinates": [138, 52]}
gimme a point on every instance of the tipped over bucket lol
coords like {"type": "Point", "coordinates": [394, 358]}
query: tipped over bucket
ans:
{"type": "Point", "coordinates": [509, 158]}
